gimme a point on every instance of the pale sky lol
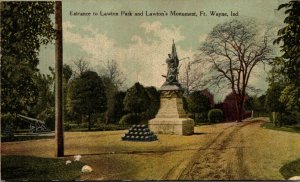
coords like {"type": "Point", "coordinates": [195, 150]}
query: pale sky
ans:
{"type": "Point", "coordinates": [140, 44]}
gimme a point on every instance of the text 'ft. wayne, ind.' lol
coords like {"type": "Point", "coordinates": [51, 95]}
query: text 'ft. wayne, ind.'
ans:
{"type": "Point", "coordinates": [156, 13]}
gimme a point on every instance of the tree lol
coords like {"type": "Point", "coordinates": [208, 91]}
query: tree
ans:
{"type": "Point", "coordinates": [255, 104]}
{"type": "Point", "coordinates": [111, 70]}
{"type": "Point", "coordinates": [67, 75]}
{"type": "Point", "coordinates": [81, 66]}
{"type": "Point", "coordinates": [25, 26]}
{"type": "Point", "coordinates": [113, 79]}
{"type": "Point", "coordinates": [290, 97]}
{"type": "Point", "coordinates": [110, 91]}
{"type": "Point", "coordinates": [116, 111]}
{"type": "Point", "coordinates": [191, 77]}
{"type": "Point", "coordinates": [87, 95]}
{"type": "Point", "coordinates": [45, 95]}
{"type": "Point", "coordinates": [290, 37]}
{"type": "Point", "coordinates": [136, 99]}
{"type": "Point", "coordinates": [232, 50]}
{"type": "Point", "coordinates": [198, 103]}
{"type": "Point", "coordinates": [154, 104]}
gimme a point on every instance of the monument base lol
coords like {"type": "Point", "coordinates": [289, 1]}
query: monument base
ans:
{"type": "Point", "coordinates": [174, 126]}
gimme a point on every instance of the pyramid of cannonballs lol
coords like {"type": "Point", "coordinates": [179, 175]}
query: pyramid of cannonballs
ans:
{"type": "Point", "coordinates": [139, 133]}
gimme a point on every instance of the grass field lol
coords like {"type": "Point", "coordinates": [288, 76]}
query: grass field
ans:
{"type": "Point", "coordinates": [261, 151]}
{"type": "Point", "coordinates": [289, 128]}
{"type": "Point", "coordinates": [39, 169]}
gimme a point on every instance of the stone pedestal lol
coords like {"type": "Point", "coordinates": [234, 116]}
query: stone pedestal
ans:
{"type": "Point", "coordinates": [171, 117]}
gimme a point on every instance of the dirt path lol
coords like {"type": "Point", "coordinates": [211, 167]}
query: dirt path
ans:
{"type": "Point", "coordinates": [220, 159]}
{"type": "Point", "coordinates": [244, 151]}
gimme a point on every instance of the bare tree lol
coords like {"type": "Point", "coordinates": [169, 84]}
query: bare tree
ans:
{"type": "Point", "coordinates": [191, 76]}
{"type": "Point", "coordinates": [81, 65]}
{"type": "Point", "coordinates": [232, 50]}
{"type": "Point", "coordinates": [111, 70]}
{"type": "Point", "coordinates": [113, 80]}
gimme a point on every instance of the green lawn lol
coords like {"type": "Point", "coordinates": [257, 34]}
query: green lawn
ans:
{"type": "Point", "coordinates": [37, 168]}
{"type": "Point", "coordinates": [102, 127]}
{"type": "Point", "coordinates": [24, 138]}
{"type": "Point", "coordinates": [291, 169]}
{"type": "Point", "coordinates": [289, 128]}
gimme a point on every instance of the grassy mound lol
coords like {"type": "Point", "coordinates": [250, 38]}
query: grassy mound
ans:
{"type": "Point", "coordinates": [291, 169]}
{"type": "Point", "coordinates": [40, 169]}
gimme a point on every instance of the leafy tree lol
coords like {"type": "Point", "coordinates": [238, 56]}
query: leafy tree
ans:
{"type": "Point", "coordinates": [290, 97]}
{"type": "Point", "coordinates": [290, 37]}
{"type": "Point", "coordinates": [250, 103]}
{"type": "Point", "coordinates": [232, 50]}
{"type": "Point", "coordinates": [153, 107]}
{"type": "Point", "coordinates": [110, 91]}
{"type": "Point", "coordinates": [45, 95]}
{"type": "Point", "coordinates": [256, 104]}
{"type": "Point", "coordinates": [87, 95]}
{"type": "Point", "coordinates": [67, 75]}
{"type": "Point", "coordinates": [215, 116]}
{"type": "Point", "coordinates": [273, 103]}
{"type": "Point", "coordinates": [136, 99]}
{"type": "Point", "coordinates": [198, 103]}
{"type": "Point", "coordinates": [25, 26]}
{"type": "Point", "coordinates": [118, 109]}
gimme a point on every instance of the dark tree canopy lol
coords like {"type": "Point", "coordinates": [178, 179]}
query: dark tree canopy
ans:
{"type": "Point", "coordinates": [87, 95]}
{"type": "Point", "coordinates": [25, 26]}
{"type": "Point", "coordinates": [153, 107]}
{"type": "Point", "coordinates": [273, 103]}
{"type": "Point", "coordinates": [136, 99]}
{"type": "Point", "coordinates": [198, 102]}
{"type": "Point", "coordinates": [289, 36]}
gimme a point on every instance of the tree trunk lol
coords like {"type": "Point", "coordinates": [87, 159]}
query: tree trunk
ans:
{"type": "Point", "coordinates": [59, 134]}
{"type": "Point", "coordinates": [239, 109]}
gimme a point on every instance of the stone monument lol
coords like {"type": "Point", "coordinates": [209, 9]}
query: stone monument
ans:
{"type": "Point", "coordinates": [171, 117]}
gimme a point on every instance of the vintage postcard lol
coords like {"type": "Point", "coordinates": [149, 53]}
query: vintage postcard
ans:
{"type": "Point", "coordinates": [150, 90]}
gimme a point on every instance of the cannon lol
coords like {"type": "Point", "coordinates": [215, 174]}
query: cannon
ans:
{"type": "Point", "coordinates": [36, 125]}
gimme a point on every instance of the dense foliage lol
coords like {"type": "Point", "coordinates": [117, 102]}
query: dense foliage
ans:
{"type": "Point", "coordinates": [136, 99]}
{"type": "Point", "coordinates": [289, 36]}
{"type": "Point", "coordinates": [198, 103]}
{"type": "Point", "coordinates": [25, 26]}
{"type": "Point", "coordinates": [87, 95]}
{"type": "Point", "coordinates": [215, 116]}
{"type": "Point", "coordinates": [283, 94]}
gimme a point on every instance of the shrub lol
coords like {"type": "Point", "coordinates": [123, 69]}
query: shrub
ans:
{"type": "Point", "coordinates": [215, 115]}
{"type": "Point", "coordinates": [7, 120]}
{"type": "Point", "coordinates": [130, 119]}
{"type": "Point", "coordinates": [67, 127]}
{"type": "Point", "coordinates": [289, 118]}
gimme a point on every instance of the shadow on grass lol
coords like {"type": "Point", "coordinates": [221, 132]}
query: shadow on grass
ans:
{"type": "Point", "coordinates": [199, 133]}
{"type": "Point", "coordinates": [36, 168]}
{"type": "Point", "coordinates": [290, 169]}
